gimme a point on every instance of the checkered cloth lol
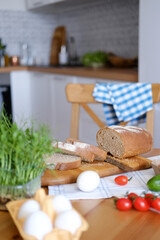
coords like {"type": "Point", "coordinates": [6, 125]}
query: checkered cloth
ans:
{"type": "Point", "coordinates": [124, 102]}
{"type": "Point", "coordinates": [107, 187]}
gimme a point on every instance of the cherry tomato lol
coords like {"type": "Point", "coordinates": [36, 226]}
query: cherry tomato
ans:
{"type": "Point", "coordinates": [141, 204]}
{"type": "Point", "coordinates": [156, 203]}
{"type": "Point", "coordinates": [121, 180]}
{"type": "Point", "coordinates": [124, 204]}
{"type": "Point", "coordinates": [132, 196]}
{"type": "Point", "coordinates": [149, 198]}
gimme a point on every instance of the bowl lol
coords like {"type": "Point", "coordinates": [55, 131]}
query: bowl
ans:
{"type": "Point", "coordinates": [121, 62]}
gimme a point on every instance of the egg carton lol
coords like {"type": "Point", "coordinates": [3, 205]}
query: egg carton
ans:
{"type": "Point", "coordinates": [46, 204]}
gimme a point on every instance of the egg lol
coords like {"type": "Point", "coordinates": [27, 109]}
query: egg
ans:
{"type": "Point", "coordinates": [88, 181]}
{"type": "Point", "coordinates": [68, 220]}
{"type": "Point", "coordinates": [30, 206]}
{"type": "Point", "coordinates": [38, 224]}
{"type": "Point", "coordinates": [61, 203]}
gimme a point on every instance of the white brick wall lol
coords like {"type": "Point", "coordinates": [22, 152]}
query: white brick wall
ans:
{"type": "Point", "coordinates": [110, 25]}
{"type": "Point", "coordinates": [36, 29]}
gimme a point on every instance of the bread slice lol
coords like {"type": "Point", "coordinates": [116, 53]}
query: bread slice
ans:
{"type": "Point", "coordinates": [124, 141]}
{"type": "Point", "coordinates": [130, 164]}
{"type": "Point", "coordinates": [99, 153]}
{"type": "Point", "coordinates": [71, 149]}
{"type": "Point", "coordinates": [59, 161]}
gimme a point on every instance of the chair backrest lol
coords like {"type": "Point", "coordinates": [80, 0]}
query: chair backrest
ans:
{"type": "Point", "coordinates": [81, 94]}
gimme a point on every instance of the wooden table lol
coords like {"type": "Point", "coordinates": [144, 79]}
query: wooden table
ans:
{"type": "Point", "coordinates": [105, 221]}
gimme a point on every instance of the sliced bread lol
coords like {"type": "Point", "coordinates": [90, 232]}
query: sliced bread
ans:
{"type": "Point", "coordinates": [61, 161]}
{"type": "Point", "coordinates": [130, 164]}
{"type": "Point", "coordinates": [72, 149]}
{"type": "Point", "coordinates": [100, 154]}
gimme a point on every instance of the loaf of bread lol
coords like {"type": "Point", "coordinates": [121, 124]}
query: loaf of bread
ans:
{"type": "Point", "coordinates": [124, 141]}
{"type": "Point", "coordinates": [131, 163]}
{"type": "Point", "coordinates": [99, 153]}
{"type": "Point", "coordinates": [72, 149]}
{"type": "Point", "coordinates": [61, 161]}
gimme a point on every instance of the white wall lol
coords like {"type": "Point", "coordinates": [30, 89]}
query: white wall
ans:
{"type": "Point", "coordinates": [17, 27]}
{"type": "Point", "coordinates": [111, 26]}
{"type": "Point", "coordinates": [108, 25]}
{"type": "Point", "coordinates": [12, 5]}
{"type": "Point", "coordinates": [149, 51]}
{"type": "Point", "coordinates": [149, 41]}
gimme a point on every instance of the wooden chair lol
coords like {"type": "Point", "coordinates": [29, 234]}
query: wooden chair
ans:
{"type": "Point", "coordinates": [81, 94]}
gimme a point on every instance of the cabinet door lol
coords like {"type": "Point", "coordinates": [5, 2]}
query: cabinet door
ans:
{"type": "Point", "coordinates": [61, 111]}
{"type": "Point", "coordinates": [30, 95]}
{"type": "Point", "coordinates": [60, 108]}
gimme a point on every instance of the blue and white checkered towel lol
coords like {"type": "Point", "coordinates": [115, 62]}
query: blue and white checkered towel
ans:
{"type": "Point", "coordinates": [124, 102]}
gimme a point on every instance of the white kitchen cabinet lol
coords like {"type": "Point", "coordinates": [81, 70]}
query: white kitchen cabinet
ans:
{"type": "Point", "coordinates": [60, 108]}
{"type": "Point", "coordinates": [32, 4]}
{"type": "Point", "coordinates": [41, 97]}
{"type": "Point", "coordinates": [30, 97]}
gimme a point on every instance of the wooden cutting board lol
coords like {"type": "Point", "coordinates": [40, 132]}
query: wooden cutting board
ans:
{"type": "Point", "coordinates": [58, 39]}
{"type": "Point", "coordinates": [57, 177]}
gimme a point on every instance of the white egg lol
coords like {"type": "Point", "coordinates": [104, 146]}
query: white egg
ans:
{"type": "Point", "coordinates": [88, 181]}
{"type": "Point", "coordinates": [30, 206]}
{"type": "Point", "coordinates": [68, 220]}
{"type": "Point", "coordinates": [37, 224]}
{"type": "Point", "coordinates": [61, 203]}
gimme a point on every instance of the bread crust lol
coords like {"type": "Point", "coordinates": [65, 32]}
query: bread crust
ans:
{"type": "Point", "coordinates": [100, 154]}
{"type": "Point", "coordinates": [69, 165]}
{"type": "Point", "coordinates": [130, 164]}
{"type": "Point", "coordinates": [131, 140]}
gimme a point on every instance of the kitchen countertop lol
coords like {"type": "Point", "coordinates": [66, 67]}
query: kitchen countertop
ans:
{"type": "Point", "coordinates": [121, 74]}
